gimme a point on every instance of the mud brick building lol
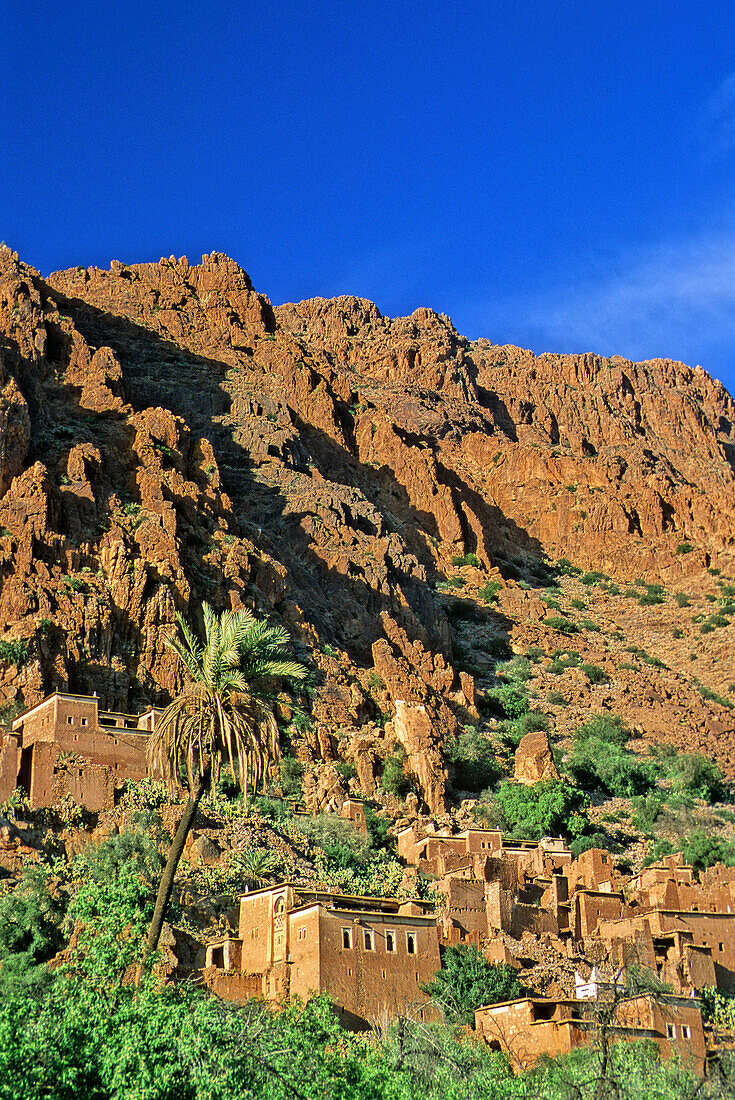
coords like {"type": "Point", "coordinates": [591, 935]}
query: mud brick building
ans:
{"type": "Point", "coordinates": [67, 746]}
{"type": "Point", "coordinates": [689, 949]}
{"type": "Point", "coordinates": [371, 955]}
{"type": "Point", "coordinates": [530, 1027]}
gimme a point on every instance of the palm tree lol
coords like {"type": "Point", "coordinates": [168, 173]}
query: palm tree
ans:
{"type": "Point", "coordinates": [223, 715]}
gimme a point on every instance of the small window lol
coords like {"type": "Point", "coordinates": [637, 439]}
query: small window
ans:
{"type": "Point", "coordinates": [347, 938]}
{"type": "Point", "coordinates": [604, 859]}
{"type": "Point", "coordinates": [349, 972]}
{"type": "Point", "coordinates": [368, 940]}
{"type": "Point", "coordinates": [722, 947]}
{"type": "Point", "coordinates": [686, 1031]}
{"type": "Point", "coordinates": [411, 943]}
{"type": "Point", "coordinates": [384, 973]}
{"type": "Point", "coordinates": [69, 720]}
{"type": "Point", "coordinates": [670, 1031]}
{"type": "Point", "coordinates": [76, 736]}
{"type": "Point", "coordinates": [390, 942]}
{"type": "Point", "coordinates": [85, 721]}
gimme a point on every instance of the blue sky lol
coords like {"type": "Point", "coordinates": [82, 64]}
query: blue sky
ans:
{"type": "Point", "coordinates": [557, 175]}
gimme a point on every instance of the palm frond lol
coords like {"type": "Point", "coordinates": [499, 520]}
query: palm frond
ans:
{"type": "Point", "coordinates": [224, 712]}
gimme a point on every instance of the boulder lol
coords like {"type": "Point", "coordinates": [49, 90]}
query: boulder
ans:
{"type": "Point", "coordinates": [533, 760]}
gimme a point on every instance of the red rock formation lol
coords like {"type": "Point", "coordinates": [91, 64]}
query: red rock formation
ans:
{"type": "Point", "coordinates": [167, 436]}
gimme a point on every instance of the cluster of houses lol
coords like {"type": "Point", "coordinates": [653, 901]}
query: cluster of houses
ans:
{"type": "Point", "coordinates": [518, 902]}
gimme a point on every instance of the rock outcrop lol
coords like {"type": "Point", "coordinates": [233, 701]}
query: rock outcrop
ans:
{"type": "Point", "coordinates": [533, 760]}
{"type": "Point", "coordinates": [167, 436]}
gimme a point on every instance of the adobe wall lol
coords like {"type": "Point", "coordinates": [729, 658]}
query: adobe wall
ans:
{"type": "Point", "coordinates": [713, 930]}
{"type": "Point", "coordinates": [591, 907]}
{"type": "Point", "coordinates": [71, 748]}
{"type": "Point", "coordinates": [594, 870]}
{"type": "Point", "coordinates": [531, 918]}
{"type": "Point", "coordinates": [466, 904]}
{"type": "Point", "coordinates": [499, 908]}
{"type": "Point", "coordinates": [374, 983]}
{"type": "Point", "coordinates": [511, 1027]}
{"type": "Point", "coordinates": [305, 952]}
{"type": "Point", "coordinates": [231, 985]}
{"type": "Point", "coordinates": [9, 765]}
{"type": "Point", "coordinates": [256, 932]}
{"type": "Point", "coordinates": [675, 1023]}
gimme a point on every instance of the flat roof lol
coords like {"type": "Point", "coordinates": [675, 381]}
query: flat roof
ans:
{"type": "Point", "coordinates": [371, 900]}
{"type": "Point", "coordinates": [94, 699]}
{"type": "Point", "coordinates": [348, 911]}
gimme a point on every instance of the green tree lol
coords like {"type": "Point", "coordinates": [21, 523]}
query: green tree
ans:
{"type": "Point", "coordinates": [30, 928]}
{"type": "Point", "coordinates": [467, 980]}
{"type": "Point", "coordinates": [222, 715]}
{"type": "Point", "coordinates": [550, 808]}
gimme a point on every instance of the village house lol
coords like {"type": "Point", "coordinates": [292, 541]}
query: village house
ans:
{"type": "Point", "coordinates": [530, 1027]}
{"type": "Point", "coordinates": [688, 949]}
{"type": "Point", "coordinates": [371, 955]}
{"type": "Point", "coordinates": [67, 746]}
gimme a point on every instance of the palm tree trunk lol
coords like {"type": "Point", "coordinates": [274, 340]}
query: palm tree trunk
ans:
{"type": "Point", "coordinates": [169, 873]}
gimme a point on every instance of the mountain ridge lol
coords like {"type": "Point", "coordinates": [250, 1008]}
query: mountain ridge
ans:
{"type": "Point", "coordinates": [170, 436]}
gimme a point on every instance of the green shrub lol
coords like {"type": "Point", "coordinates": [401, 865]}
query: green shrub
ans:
{"type": "Point", "coordinates": [498, 648]}
{"type": "Point", "coordinates": [14, 653]}
{"type": "Point", "coordinates": [561, 624]}
{"type": "Point", "coordinates": [594, 673]}
{"type": "Point", "coordinates": [507, 701]}
{"type": "Point", "coordinates": [593, 577]}
{"type": "Point", "coordinates": [550, 808]}
{"type": "Point", "coordinates": [489, 592]}
{"type": "Point", "coordinates": [703, 850]}
{"type": "Point", "coordinates": [591, 840]}
{"type": "Point", "coordinates": [599, 759]}
{"type": "Point", "coordinates": [648, 599]}
{"type": "Point", "coordinates": [604, 727]}
{"type": "Point", "coordinates": [681, 599]}
{"type": "Point", "coordinates": [534, 653]}
{"type": "Point", "coordinates": [694, 774]}
{"type": "Point", "coordinates": [378, 826]}
{"type": "Point", "coordinates": [647, 809]}
{"type": "Point", "coordinates": [578, 605]}
{"type": "Point", "coordinates": [467, 980]}
{"type": "Point", "coordinates": [658, 851]}
{"type": "Point", "coordinates": [535, 721]}
{"type": "Point", "coordinates": [30, 928]}
{"type": "Point", "coordinates": [345, 847]}
{"type": "Point", "coordinates": [712, 696]}
{"type": "Point", "coordinates": [472, 762]}
{"type": "Point", "coordinates": [346, 771]}
{"type": "Point", "coordinates": [467, 559]}
{"type": "Point", "coordinates": [272, 809]}
{"type": "Point", "coordinates": [395, 779]}
{"type": "Point", "coordinates": [684, 548]}
{"type": "Point", "coordinates": [560, 662]}
{"type": "Point", "coordinates": [556, 699]}
{"type": "Point", "coordinates": [565, 568]}
{"type": "Point", "coordinates": [450, 583]}
{"type": "Point", "coordinates": [519, 669]}
{"type": "Point", "coordinates": [292, 777]}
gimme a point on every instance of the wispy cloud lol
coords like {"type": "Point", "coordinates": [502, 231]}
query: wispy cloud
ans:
{"type": "Point", "coordinates": [718, 120]}
{"type": "Point", "coordinates": [676, 301]}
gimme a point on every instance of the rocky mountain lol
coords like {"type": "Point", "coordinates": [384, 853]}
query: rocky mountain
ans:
{"type": "Point", "coordinates": [394, 493]}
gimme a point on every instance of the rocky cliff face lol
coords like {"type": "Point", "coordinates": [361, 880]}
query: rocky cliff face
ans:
{"type": "Point", "coordinates": [167, 436]}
